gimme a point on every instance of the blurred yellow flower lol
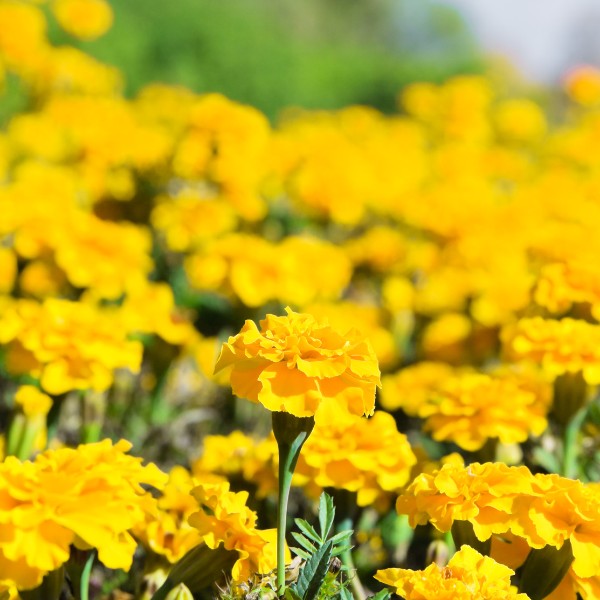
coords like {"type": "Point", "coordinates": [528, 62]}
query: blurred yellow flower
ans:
{"type": "Point", "coordinates": [85, 19]}
{"type": "Point", "coordinates": [239, 455]}
{"type": "Point", "coordinates": [367, 456]}
{"type": "Point", "coordinates": [582, 85]}
{"type": "Point", "coordinates": [558, 346]}
{"type": "Point", "coordinates": [68, 345]}
{"type": "Point", "coordinates": [32, 401]}
{"type": "Point", "coordinates": [468, 575]}
{"type": "Point", "coordinates": [294, 364]}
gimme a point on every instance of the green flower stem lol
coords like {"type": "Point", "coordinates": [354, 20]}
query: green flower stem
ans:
{"type": "Point", "coordinates": [570, 450]}
{"type": "Point", "coordinates": [290, 432]}
{"type": "Point", "coordinates": [93, 408]}
{"type": "Point", "coordinates": [358, 591]}
{"type": "Point", "coordinates": [79, 569]}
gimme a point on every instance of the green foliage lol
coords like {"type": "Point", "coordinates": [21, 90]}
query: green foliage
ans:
{"type": "Point", "coordinates": [316, 578]}
{"type": "Point", "coordinates": [274, 54]}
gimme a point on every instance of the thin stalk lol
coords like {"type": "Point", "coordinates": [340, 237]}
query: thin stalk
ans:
{"type": "Point", "coordinates": [570, 443]}
{"type": "Point", "coordinates": [84, 583]}
{"type": "Point", "coordinates": [358, 591]}
{"type": "Point", "coordinates": [290, 432]}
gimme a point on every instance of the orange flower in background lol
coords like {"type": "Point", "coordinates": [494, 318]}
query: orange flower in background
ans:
{"type": "Point", "coordinates": [583, 85]}
{"type": "Point", "coordinates": [294, 363]}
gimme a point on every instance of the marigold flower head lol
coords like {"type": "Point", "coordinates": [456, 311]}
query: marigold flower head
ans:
{"type": "Point", "coordinates": [559, 346]}
{"type": "Point", "coordinates": [469, 408]}
{"type": "Point", "coordinates": [544, 510]}
{"type": "Point", "coordinates": [468, 575]}
{"type": "Point", "coordinates": [68, 345]}
{"type": "Point", "coordinates": [238, 454]}
{"type": "Point", "coordinates": [85, 19]}
{"type": "Point", "coordinates": [583, 85]}
{"type": "Point", "coordinates": [62, 498]}
{"type": "Point", "coordinates": [346, 451]}
{"type": "Point", "coordinates": [166, 531]}
{"type": "Point", "coordinates": [294, 364]}
{"type": "Point", "coordinates": [32, 401]}
{"type": "Point", "coordinates": [225, 519]}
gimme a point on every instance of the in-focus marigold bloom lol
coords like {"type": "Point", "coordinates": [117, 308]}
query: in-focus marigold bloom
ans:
{"type": "Point", "coordinates": [63, 498]}
{"type": "Point", "coordinates": [558, 346]}
{"type": "Point", "coordinates": [544, 510]}
{"type": "Point", "coordinates": [467, 576]}
{"type": "Point", "coordinates": [85, 19]}
{"type": "Point", "coordinates": [294, 364]}
{"type": "Point", "coordinates": [68, 345]}
{"type": "Point", "coordinates": [367, 456]}
{"type": "Point", "coordinates": [224, 519]}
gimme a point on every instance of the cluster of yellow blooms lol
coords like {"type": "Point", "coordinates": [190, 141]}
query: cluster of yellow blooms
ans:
{"type": "Point", "coordinates": [542, 509]}
{"type": "Point", "coordinates": [457, 235]}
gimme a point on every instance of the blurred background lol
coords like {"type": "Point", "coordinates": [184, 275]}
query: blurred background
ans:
{"type": "Point", "coordinates": [331, 53]}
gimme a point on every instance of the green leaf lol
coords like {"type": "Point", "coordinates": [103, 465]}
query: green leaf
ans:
{"type": "Point", "coordinates": [340, 550]}
{"type": "Point", "coordinates": [308, 530]}
{"type": "Point", "coordinates": [314, 572]}
{"type": "Point", "coordinates": [381, 595]}
{"type": "Point", "coordinates": [290, 594]}
{"type": "Point", "coordinates": [342, 536]}
{"type": "Point", "coordinates": [298, 552]}
{"type": "Point", "coordinates": [304, 542]}
{"type": "Point", "coordinates": [326, 514]}
{"type": "Point", "coordinates": [345, 594]}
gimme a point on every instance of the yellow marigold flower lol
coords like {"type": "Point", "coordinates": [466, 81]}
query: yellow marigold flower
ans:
{"type": "Point", "coordinates": [22, 45]}
{"type": "Point", "coordinates": [520, 120]}
{"type": "Point", "coordinates": [294, 364]}
{"type": "Point", "coordinates": [583, 85]}
{"type": "Point", "coordinates": [468, 575]}
{"type": "Point", "coordinates": [367, 456]}
{"type": "Point", "coordinates": [69, 70]}
{"type": "Point", "coordinates": [85, 19]}
{"type": "Point", "coordinates": [225, 519]}
{"type": "Point", "coordinates": [63, 498]}
{"type": "Point", "coordinates": [471, 408]}
{"type": "Point", "coordinates": [409, 388]}
{"type": "Point", "coordinates": [559, 346]}
{"type": "Point", "coordinates": [367, 318]}
{"type": "Point", "coordinates": [544, 510]}
{"type": "Point", "coordinates": [8, 269]}
{"type": "Point", "coordinates": [562, 284]}
{"type": "Point", "coordinates": [381, 248]}
{"type": "Point", "coordinates": [238, 454]}
{"type": "Point", "coordinates": [109, 258]}
{"type": "Point", "coordinates": [421, 100]}
{"type": "Point", "coordinates": [226, 144]}
{"type": "Point", "coordinates": [41, 279]}
{"type": "Point", "coordinates": [151, 308]}
{"type": "Point", "coordinates": [166, 531]}
{"type": "Point", "coordinates": [68, 345]}
{"type": "Point", "coordinates": [306, 269]}
{"type": "Point", "coordinates": [32, 401]}
{"type": "Point", "coordinates": [190, 218]}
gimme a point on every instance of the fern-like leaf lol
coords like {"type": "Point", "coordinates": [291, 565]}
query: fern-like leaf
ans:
{"type": "Point", "coordinates": [313, 573]}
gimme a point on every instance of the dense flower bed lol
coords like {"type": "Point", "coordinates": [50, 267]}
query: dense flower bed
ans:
{"type": "Point", "coordinates": [423, 285]}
